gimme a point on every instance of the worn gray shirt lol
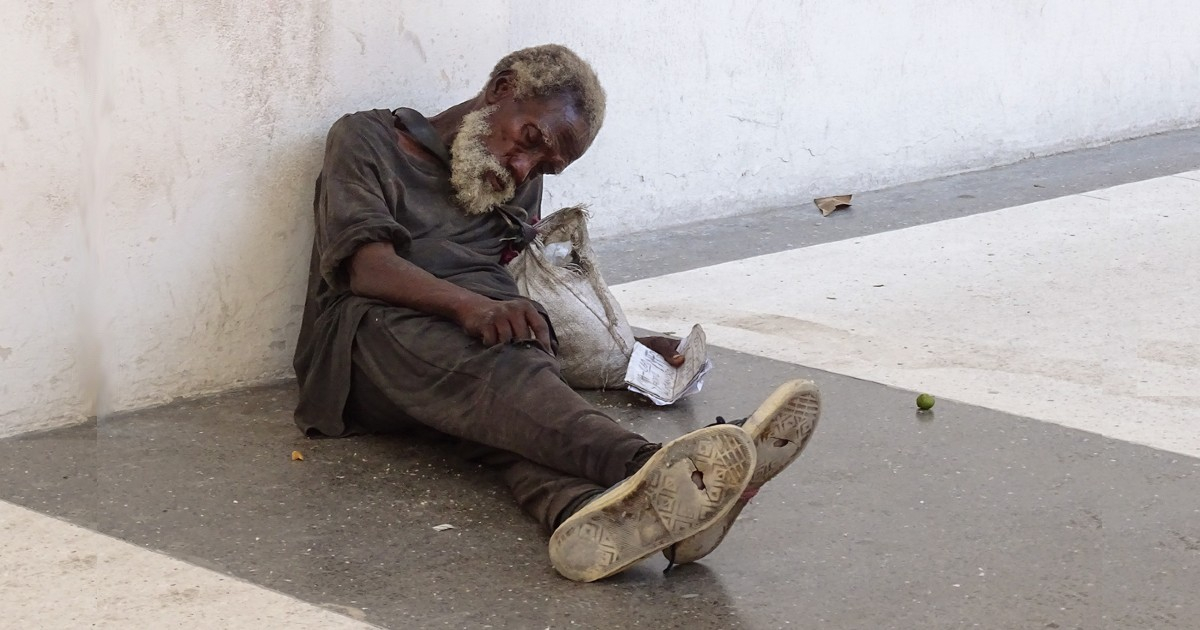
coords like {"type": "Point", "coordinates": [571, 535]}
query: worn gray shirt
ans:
{"type": "Point", "coordinates": [372, 190]}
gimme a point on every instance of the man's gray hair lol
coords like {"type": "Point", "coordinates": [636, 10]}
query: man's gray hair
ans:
{"type": "Point", "coordinates": [553, 70]}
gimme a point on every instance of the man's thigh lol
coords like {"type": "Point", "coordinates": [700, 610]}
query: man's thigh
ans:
{"type": "Point", "coordinates": [408, 366]}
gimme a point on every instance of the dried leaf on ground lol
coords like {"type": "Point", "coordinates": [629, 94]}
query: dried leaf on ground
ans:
{"type": "Point", "coordinates": [828, 204]}
{"type": "Point", "coordinates": [297, 456]}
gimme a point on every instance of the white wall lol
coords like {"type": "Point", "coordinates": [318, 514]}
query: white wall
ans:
{"type": "Point", "coordinates": [156, 173]}
{"type": "Point", "coordinates": [726, 107]}
{"type": "Point", "coordinates": [157, 159]}
{"type": "Point", "coordinates": [42, 247]}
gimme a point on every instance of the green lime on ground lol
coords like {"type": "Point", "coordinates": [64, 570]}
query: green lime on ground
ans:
{"type": "Point", "coordinates": [925, 402]}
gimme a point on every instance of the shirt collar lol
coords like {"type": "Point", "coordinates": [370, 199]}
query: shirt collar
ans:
{"type": "Point", "coordinates": [423, 132]}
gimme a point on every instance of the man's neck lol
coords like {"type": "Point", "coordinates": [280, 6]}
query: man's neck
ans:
{"type": "Point", "coordinates": [447, 123]}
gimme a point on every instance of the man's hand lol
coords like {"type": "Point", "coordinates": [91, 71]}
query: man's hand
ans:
{"type": "Point", "coordinates": [664, 346]}
{"type": "Point", "coordinates": [497, 322]}
{"type": "Point", "coordinates": [377, 272]}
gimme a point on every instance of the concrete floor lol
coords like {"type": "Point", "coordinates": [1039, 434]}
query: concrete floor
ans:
{"type": "Point", "coordinates": [964, 517]}
{"type": "Point", "coordinates": [1072, 310]}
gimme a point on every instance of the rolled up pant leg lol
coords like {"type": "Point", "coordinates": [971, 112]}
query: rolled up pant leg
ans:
{"type": "Point", "coordinates": [541, 492]}
{"type": "Point", "coordinates": [414, 367]}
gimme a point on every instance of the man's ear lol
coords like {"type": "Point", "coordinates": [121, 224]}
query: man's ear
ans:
{"type": "Point", "coordinates": [500, 87]}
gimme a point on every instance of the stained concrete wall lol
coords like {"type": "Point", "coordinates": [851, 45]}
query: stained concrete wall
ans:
{"type": "Point", "coordinates": [42, 248]}
{"type": "Point", "coordinates": [157, 159]}
{"type": "Point", "coordinates": [156, 172]}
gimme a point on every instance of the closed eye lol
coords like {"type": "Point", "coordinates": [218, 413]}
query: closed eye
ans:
{"type": "Point", "coordinates": [532, 137]}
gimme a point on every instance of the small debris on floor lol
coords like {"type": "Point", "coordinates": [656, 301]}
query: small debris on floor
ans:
{"type": "Point", "coordinates": [827, 205]}
{"type": "Point", "coordinates": [443, 527]}
{"type": "Point", "coordinates": [297, 456]}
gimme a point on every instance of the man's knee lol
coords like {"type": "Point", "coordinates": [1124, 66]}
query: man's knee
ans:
{"type": "Point", "coordinates": [527, 361]}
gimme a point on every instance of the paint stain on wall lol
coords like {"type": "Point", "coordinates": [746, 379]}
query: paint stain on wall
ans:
{"type": "Point", "coordinates": [413, 40]}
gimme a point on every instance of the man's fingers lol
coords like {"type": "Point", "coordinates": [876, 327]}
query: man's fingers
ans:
{"type": "Point", "coordinates": [661, 345]}
{"type": "Point", "coordinates": [667, 348]}
{"type": "Point", "coordinates": [541, 331]}
{"type": "Point", "coordinates": [513, 322]}
{"type": "Point", "coordinates": [504, 331]}
{"type": "Point", "coordinates": [520, 328]}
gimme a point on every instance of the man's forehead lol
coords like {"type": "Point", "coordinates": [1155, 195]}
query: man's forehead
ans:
{"type": "Point", "coordinates": [567, 135]}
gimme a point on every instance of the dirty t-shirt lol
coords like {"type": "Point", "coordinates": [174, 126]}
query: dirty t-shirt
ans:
{"type": "Point", "coordinates": [372, 190]}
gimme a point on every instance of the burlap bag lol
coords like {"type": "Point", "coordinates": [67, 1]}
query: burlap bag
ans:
{"type": "Point", "coordinates": [558, 270]}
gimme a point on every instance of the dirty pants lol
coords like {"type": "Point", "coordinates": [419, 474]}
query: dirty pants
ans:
{"type": "Point", "coordinates": [507, 405]}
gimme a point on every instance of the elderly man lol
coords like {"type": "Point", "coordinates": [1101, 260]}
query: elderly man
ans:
{"type": "Point", "coordinates": [412, 321]}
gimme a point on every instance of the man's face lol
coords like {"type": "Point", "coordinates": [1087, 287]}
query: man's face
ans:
{"type": "Point", "coordinates": [499, 148]}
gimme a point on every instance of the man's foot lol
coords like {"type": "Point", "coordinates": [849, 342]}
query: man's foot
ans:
{"type": "Point", "coordinates": [685, 487]}
{"type": "Point", "coordinates": [780, 429]}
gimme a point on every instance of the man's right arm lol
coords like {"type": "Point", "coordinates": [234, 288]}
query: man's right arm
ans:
{"type": "Point", "coordinates": [377, 272]}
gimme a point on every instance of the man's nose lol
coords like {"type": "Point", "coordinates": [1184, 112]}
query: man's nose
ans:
{"type": "Point", "coordinates": [521, 166]}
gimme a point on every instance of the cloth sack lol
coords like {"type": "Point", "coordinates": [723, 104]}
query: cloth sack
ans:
{"type": "Point", "coordinates": [558, 270]}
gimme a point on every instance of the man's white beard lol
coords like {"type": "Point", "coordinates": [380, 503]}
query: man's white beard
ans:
{"type": "Point", "coordinates": [470, 161]}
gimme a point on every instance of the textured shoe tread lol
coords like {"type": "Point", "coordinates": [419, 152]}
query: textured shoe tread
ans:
{"type": "Point", "coordinates": [656, 507]}
{"type": "Point", "coordinates": [791, 414]}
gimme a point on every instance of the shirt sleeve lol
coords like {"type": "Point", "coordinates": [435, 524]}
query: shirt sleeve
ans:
{"type": "Point", "coordinates": [351, 209]}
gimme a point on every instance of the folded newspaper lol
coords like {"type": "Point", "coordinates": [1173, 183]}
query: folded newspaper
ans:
{"type": "Point", "coordinates": [649, 373]}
